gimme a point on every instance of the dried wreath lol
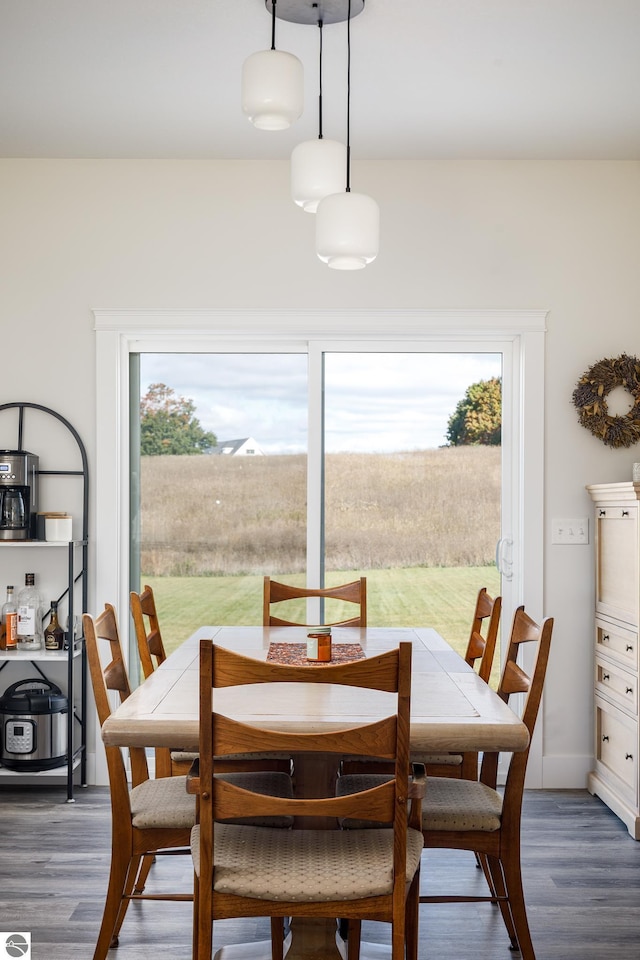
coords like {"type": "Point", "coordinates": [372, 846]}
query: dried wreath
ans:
{"type": "Point", "coordinates": [589, 397]}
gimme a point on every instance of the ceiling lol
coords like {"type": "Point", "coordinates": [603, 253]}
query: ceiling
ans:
{"type": "Point", "coordinates": [434, 79]}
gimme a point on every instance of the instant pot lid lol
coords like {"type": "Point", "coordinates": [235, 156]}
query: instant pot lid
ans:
{"type": "Point", "coordinates": [39, 696]}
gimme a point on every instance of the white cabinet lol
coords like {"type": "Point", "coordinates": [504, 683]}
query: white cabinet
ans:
{"type": "Point", "coordinates": [61, 574]}
{"type": "Point", "coordinates": [617, 617]}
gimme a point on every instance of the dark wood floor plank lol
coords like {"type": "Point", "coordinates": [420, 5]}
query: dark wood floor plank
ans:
{"type": "Point", "coordinates": [581, 874]}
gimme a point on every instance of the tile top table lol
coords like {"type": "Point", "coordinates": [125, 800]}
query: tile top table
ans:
{"type": "Point", "coordinates": [451, 708]}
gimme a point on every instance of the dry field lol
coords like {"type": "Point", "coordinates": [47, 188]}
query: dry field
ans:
{"type": "Point", "coordinates": [224, 516]}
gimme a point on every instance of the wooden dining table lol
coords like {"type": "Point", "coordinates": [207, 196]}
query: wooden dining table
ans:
{"type": "Point", "coordinates": [452, 710]}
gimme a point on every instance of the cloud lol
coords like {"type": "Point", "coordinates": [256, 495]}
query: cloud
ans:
{"type": "Point", "coordinates": [374, 402]}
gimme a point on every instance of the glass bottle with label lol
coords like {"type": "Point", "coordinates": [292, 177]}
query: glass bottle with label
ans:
{"type": "Point", "coordinates": [54, 634]}
{"type": "Point", "coordinates": [29, 616]}
{"type": "Point", "coordinates": [10, 621]}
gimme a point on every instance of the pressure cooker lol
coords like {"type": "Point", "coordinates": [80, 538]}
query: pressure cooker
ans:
{"type": "Point", "coordinates": [33, 721]}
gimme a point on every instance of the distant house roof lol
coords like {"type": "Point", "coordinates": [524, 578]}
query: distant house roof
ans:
{"type": "Point", "coordinates": [245, 447]}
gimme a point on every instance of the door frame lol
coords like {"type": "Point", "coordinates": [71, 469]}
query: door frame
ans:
{"type": "Point", "coordinates": [518, 334]}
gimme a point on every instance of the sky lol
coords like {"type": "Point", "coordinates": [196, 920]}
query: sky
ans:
{"type": "Point", "coordinates": [374, 402]}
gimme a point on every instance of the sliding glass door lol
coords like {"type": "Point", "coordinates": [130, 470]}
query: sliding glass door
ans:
{"type": "Point", "coordinates": [315, 466]}
{"type": "Point", "coordinates": [517, 335]}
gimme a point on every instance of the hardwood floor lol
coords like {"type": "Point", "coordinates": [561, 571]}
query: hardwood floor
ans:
{"type": "Point", "coordinates": [581, 874]}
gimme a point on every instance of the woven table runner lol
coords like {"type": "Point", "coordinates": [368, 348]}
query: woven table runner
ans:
{"type": "Point", "coordinates": [295, 654]}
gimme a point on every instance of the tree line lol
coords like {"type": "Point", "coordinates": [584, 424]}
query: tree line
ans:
{"type": "Point", "coordinates": [168, 424]}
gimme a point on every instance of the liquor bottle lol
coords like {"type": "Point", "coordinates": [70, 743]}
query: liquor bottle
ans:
{"type": "Point", "coordinates": [9, 621]}
{"type": "Point", "coordinates": [29, 616]}
{"type": "Point", "coordinates": [54, 634]}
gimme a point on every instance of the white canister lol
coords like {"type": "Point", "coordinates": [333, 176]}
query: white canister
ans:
{"type": "Point", "coordinates": [58, 528]}
{"type": "Point", "coordinates": [636, 472]}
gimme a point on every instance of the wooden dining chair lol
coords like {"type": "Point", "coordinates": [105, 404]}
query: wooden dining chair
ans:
{"type": "Point", "coordinates": [481, 647]}
{"type": "Point", "coordinates": [177, 763]}
{"type": "Point", "coordinates": [306, 872]}
{"type": "Point", "coordinates": [155, 815]}
{"type": "Point", "coordinates": [152, 653]}
{"type": "Point", "coordinates": [147, 627]}
{"type": "Point", "coordinates": [275, 592]}
{"type": "Point", "coordinates": [475, 816]}
{"type": "Point", "coordinates": [152, 816]}
{"type": "Point", "coordinates": [479, 654]}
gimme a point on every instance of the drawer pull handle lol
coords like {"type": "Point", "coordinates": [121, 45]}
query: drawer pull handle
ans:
{"type": "Point", "coordinates": [629, 648]}
{"type": "Point", "coordinates": [605, 638]}
{"type": "Point", "coordinates": [605, 676]}
{"type": "Point", "coordinates": [602, 513]}
{"type": "Point", "coordinates": [625, 513]}
{"type": "Point", "coordinates": [629, 689]}
{"type": "Point", "coordinates": [605, 739]}
{"type": "Point", "coordinates": [628, 756]}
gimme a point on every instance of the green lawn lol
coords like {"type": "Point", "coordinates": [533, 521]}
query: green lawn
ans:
{"type": "Point", "coordinates": [438, 597]}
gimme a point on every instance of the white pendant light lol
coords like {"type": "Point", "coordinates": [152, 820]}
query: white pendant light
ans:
{"type": "Point", "coordinates": [317, 170]}
{"type": "Point", "coordinates": [317, 166]}
{"type": "Point", "coordinates": [347, 224]}
{"type": "Point", "coordinates": [272, 86]}
{"type": "Point", "coordinates": [347, 230]}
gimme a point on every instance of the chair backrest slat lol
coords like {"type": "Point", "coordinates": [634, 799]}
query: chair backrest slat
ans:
{"type": "Point", "coordinates": [231, 736]}
{"type": "Point", "coordinates": [231, 669]}
{"type": "Point", "coordinates": [276, 592]}
{"type": "Point", "coordinates": [514, 679]}
{"type": "Point", "coordinates": [232, 801]}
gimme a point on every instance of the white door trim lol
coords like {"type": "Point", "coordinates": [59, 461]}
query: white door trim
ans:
{"type": "Point", "coordinates": [122, 332]}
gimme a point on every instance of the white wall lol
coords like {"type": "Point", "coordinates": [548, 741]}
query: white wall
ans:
{"type": "Point", "coordinates": [77, 235]}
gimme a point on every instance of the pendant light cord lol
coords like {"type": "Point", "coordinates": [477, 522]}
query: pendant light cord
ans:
{"type": "Point", "coordinates": [273, 23]}
{"type": "Point", "coordinates": [349, 97]}
{"type": "Point", "coordinates": [320, 83]}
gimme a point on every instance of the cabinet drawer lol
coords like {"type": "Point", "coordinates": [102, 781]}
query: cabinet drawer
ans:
{"type": "Point", "coordinates": [617, 562]}
{"type": "Point", "coordinates": [618, 685]}
{"type": "Point", "coordinates": [616, 743]}
{"type": "Point", "coordinates": [617, 643]}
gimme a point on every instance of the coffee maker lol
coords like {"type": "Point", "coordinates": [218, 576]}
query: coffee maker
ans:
{"type": "Point", "coordinates": [18, 494]}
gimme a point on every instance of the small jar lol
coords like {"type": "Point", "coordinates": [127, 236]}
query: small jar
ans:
{"type": "Point", "coordinates": [319, 644]}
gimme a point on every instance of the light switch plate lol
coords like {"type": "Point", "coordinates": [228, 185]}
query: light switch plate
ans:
{"type": "Point", "coordinates": [570, 531]}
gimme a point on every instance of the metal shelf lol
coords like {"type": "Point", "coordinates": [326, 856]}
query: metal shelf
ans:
{"type": "Point", "coordinates": [77, 551]}
{"type": "Point", "coordinates": [40, 656]}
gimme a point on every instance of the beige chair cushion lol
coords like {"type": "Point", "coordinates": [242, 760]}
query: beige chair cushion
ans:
{"type": "Point", "coordinates": [162, 803]}
{"type": "Point", "coordinates": [460, 805]}
{"type": "Point", "coordinates": [305, 865]}
{"type": "Point", "coordinates": [182, 756]}
{"type": "Point", "coordinates": [441, 759]}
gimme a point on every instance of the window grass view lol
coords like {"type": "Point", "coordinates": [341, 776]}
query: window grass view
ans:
{"type": "Point", "coordinates": [421, 524]}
